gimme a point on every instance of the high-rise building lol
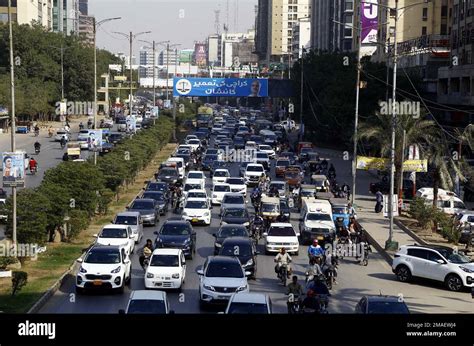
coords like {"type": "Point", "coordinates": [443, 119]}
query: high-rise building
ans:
{"type": "Point", "coordinates": [332, 25]}
{"type": "Point", "coordinates": [168, 58]}
{"type": "Point", "coordinates": [301, 38]}
{"type": "Point", "coordinates": [146, 63]}
{"type": "Point", "coordinates": [237, 48]}
{"type": "Point", "coordinates": [275, 22]}
{"type": "Point", "coordinates": [84, 7]}
{"type": "Point", "coordinates": [86, 29]}
{"type": "Point", "coordinates": [66, 16]}
{"type": "Point", "coordinates": [214, 50]}
{"type": "Point", "coordinates": [28, 12]}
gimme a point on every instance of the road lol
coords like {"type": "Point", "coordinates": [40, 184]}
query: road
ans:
{"type": "Point", "coordinates": [354, 280]}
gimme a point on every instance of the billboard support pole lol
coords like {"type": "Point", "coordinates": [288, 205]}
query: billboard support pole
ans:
{"type": "Point", "coordinates": [13, 125]}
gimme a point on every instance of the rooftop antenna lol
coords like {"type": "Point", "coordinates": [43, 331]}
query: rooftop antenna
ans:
{"type": "Point", "coordinates": [217, 24]}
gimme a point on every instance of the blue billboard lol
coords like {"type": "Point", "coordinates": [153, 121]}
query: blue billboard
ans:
{"type": "Point", "coordinates": [233, 87]}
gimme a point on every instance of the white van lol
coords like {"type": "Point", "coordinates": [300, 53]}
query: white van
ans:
{"type": "Point", "coordinates": [316, 221]}
{"type": "Point", "coordinates": [448, 201]}
{"type": "Point", "coordinates": [181, 165]}
{"type": "Point", "coordinates": [320, 206]}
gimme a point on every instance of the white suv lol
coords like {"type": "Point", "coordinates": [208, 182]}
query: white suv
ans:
{"type": "Point", "coordinates": [104, 267]}
{"type": "Point", "coordinates": [253, 172]}
{"type": "Point", "coordinates": [435, 263]}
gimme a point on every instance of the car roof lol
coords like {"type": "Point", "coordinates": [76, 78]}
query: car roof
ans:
{"type": "Point", "coordinates": [144, 199]}
{"type": "Point", "coordinates": [224, 259]}
{"type": "Point", "coordinates": [176, 221]}
{"type": "Point", "coordinates": [232, 225]}
{"type": "Point", "coordinates": [249, 297]}
{"type": "Point", "coordinates": [195, 172]}
{"type": "Point", "coordinates": [430, 247]}
{"type": "Point", "coordinates": [148, 295]}
{"type": "Point", "coordinates": [161, 251]}
{"type": "Point", "coordinates": [114, 226]}
{"type": "Point", "coordinates": [281, 224]}
{"type": "Point", "coordinates": [129, 213]}
{"type": "Point", "coordinates": [266, 199]}
{"type": "Point", "coordinates": [102, 247]}
{"type": "Point", "coordinates": [381, 298]}
{"type": "Point", "coordinates": [238, 240]}
{"type": "Point", "coordinates": [191, 199]}
{"type": "Point", "coordinates": [233, 194]}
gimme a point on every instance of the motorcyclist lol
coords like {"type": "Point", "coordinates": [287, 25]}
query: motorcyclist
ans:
{"type": "Point", "coordinates": [81, 126]}
{"type": "Point", "coordinates": [330, 265]}
{"type": "Point", "coordinates": [352, 230]}
{"type": "Point", "coordinates": [33, 165]}
{"type": "Point", "coordinates": [314, 290]}
{"type": "Point", "coordinates": [332, 170]}
{"type": "Point", "coordinates": [315, 250]}
{"type": "Point", "coordinates": [257, 222]}
{"type": "Point", "coordinates": [261, 181]}
{"type": "Point", "coordinates": [324, 164]}
{"type": "Point", "coordinates": [37, 130]}
{"type": "Point", "coordinates": [281, 259]}
{"type": "Point", "coordinates": [37, 146]}
{"type": "Point", "coordinates": [147, 250]}
{"type": "Point", "coordinates": [273, 191]}
{"type": "Point", "coordinates": [282, 218]}
{"type": "Point", "coordinates": [295, 291]}
{"type": "Point", "coordinates": [255, 198]}
{"type": "Point", "coordinates": [314, 269]}
{"type": "Point", "coordinates": [63, 141]}
{"type": "Point", "coordinates": [351, 210]}
{"type": "Point", "coordinates": [379, 201]}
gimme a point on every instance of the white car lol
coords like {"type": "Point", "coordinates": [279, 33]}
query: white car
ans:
{"type": "Point", "coordinates": [188, 137]}
{"type": "Point", "coordinates": [467, 217]}
{"type": "Point", "coordinates": [194, 143]}
{"type": "Point", "coordinates": [221, 277]}
{"type": "Point", "coordinates": [147, 302]}
{"type": "Point", "coordinates": [253, 172]}
{"type": "Point", "coordinates": [192, 184]}
{"type": "Point", "coordinates": [166, 269]}
{"type": "Point", "coordinates": [104, 267]}
{"type": "Point", "coordinates": [197, 210]}
{"type": "Point", "coordinates": [281, 235]}
{"type": "Point", "coordinates": [264, 148]}
{"type": "Point", "coordinates": [196, 175]}
{"type": "Point", "coordinates": [237, 185]}
{"type": "Point", "coordinates": [251, 145]}
{"type": "Point", "coordinates": [61, 134]}
{"type": "Point", "coordinates": [218, 192]}
{"type": "Point", "coordinates": [216, 128]}
{"type": "Point", "coordinates": [249, 303]}
{"type": "Point", "coordinates": [437, 263]}
{"type": "Point", "coordinates": [199, 194]}
{"type": "Point", "coordinates": [220, 175]}
{"type": "Point", "coordinates": [83, 138]}
{"type": "Point", "coordinates": [117, 235]}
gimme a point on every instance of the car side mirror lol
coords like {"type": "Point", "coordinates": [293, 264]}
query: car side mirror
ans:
{"type": "Point", "coordinates": [247, 273]}
{"type": "Point", "coordinates": [200, 272]}
{"type": "Point", "coordinates": [121, 312]}
{"type": "Point", "coordinates": [95, 235]}
{"type": "Point", "coordinates": [131, 236]}
{"type": "Point", "coordinates": [80, 260]}
{"type": "Point", "coordinates": [127, 261]}
{"type": "Point", "coordinates": [440, 261]}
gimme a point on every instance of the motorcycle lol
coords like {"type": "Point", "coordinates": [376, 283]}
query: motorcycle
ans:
{"type": "Point", "coordinates": [37, 132]}
{"type": "Point", "coordinates": [294, 304]}
{"type": "Point", "coordinates": [282, 273]}
{"type": "Point", "coordinates": [37, 150]}
{"type": "Point", "coordinates": [33, 170]}
{"type": "Point", "coordinates": [257, 231]}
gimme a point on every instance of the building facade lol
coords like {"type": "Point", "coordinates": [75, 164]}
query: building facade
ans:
{"type": "Point", "coordinates": [301, 38]}
{"type": "Point", "coordinates": [66, 16]}
{"type": "Point", "coordinates": [86, 29]}
{"type": "Point", "coordinates": [28, 12]}
{"type": "Point", "coordinates": [147, 63]}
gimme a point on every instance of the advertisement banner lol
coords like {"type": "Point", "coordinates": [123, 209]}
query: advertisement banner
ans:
{"type": "Point", "coordinates": [369, 21]}
{"type": "Point", "coordinates": [377, 163]}
{"type": "Point", "coordinates": [94, 140]}
{"type": "Point", "coordinates": [117, 68]}
{"type": "Point", "coordinates": [237, 87]}
{"type": "Point", "coordinates": [14, 169]}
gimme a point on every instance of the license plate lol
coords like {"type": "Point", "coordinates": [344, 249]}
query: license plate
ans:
{"type": "Point", "coordinates": [223, 297]}
{"type": "Point", "coordinates": [158, 283]}
{"type": "Point", "coordinates": [97, 282]}
{"type": "Point", "coordinates": [194, 220]}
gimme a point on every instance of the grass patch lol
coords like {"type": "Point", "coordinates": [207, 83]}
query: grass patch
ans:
{"type": "Point", "coordinates": [58, 258]}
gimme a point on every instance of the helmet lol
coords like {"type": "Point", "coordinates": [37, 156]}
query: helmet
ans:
{"type": "Point", "coordinates": [315, 242]}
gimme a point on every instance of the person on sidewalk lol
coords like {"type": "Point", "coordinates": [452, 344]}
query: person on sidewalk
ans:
{"type": "Point", "coordinates": [379, 201]}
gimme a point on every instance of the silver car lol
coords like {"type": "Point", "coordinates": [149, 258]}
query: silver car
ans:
{"type": "Point", "coordinates": [132, 219]}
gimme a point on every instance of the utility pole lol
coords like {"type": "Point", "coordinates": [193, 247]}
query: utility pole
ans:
{"type": "Point", "coordinates": [301, 95]}
{"type": "Point", "coordinates": [131, 73]}
{"type": "Point", "coordinates": [62, 71]}
{"type": "Point", "coordinates": [356, 118]}
{"type": "Point", "coordinates": [389, 243]}
{"type": "Point", "coordinates": [154, 76]}
{"type": "Point", "coordinates": [167, 69]}
{"type": "Point", "coordinates": [13, 125]}
{"type": "Point", "coordinates": [95, 85]}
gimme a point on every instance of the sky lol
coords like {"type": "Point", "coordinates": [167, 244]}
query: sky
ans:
{"type": "Point", "coordinates": [180, 21]}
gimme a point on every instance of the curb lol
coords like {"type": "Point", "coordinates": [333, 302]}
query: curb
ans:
{"type": "Point", "coordinates": [409, 232]}
{"type": "Point", "coordinates": [40, 303]}
{"type": "Point", "coordinates": [379, 248]}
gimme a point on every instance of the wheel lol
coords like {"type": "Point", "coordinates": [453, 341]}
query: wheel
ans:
{"type": "Point", "coordinates": [454, 283]}
{"type": "Point", "coordinates": [365, 262]}
{"type": "Point", "coordinates": [403, 273]}
{"type": "Point", "coordinates": [296, 253]}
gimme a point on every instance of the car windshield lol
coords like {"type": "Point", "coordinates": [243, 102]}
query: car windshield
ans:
{"type": "Point", "coordinates": [224, 270]}
{"type": "Point", "coordinates": [262, 156]}
{"type": "Point", "coordinates": [247, 308]}
{"type": "Point", "coordinates": [188, 187]}
{"type": "Point", "coordinates": [170, 229]}
{"type": "Point", "coordinates": [138, 204]}
{"type": "Point", "coordinates": [164, 261]}
{"type": "Point", "coordinates": [197, 195]}
{"type": "Point", "coordinates": [307, 193]}
{"type": "Point", "coordinates": [318, 183]}
{"type": "Point", "coordinates": [459, 205]}
{"type": "Point", "coordinates": [454, 257]}
{"type": "Point", "coordinates": [222, 188]}
{"type": "Point", "coordinates": [270, 208]}
{"type": "Point", "coordinates": [233, 200]}
{"type": "Point", "coordinates": [228, 249]}
{"type": "Point", "coordinates": [232, 232]}
{"type": "Point", "coordinates": [318, 217]}
{"type": "Point", "coordinates": [339, 210]}
{"type": "Point", "coordinates": [196, 205]}
{"type": "Point", "coordinates": [113, 233]}
{"type": "Point", "coordinates": [235, 213]}
{"type": "Point", "coordinates": [387, 308]}
{"type": "Point", "coordinates": [154, 195]}
{"type": "Point", "coordinates": [306, 150]}
{"type": "Point", "coordinates": [194, 141]}
{"type": "Point", "coordinates": [103, 256]}
{"type": "Point", "coordinates": [254, 169]}
{"type": "Point", "coordinates": [146, 306]}
{"type": "Point", "coordinates": [126, 220]}
{"type": "Point", "coordinates": [284, 231]}
{"type": "Point", "coordinates": [221, 174]}
{"type": "Point", "coordinates": [282, 163]}
{"type": "Point", "coordinates": [266, 147]}
{"type": "Point", "coordinates": [168, 172]}
{"type": "Point", "coordinates": [195, 175]}
{"type": "Point", "coordinates": [235, 181]}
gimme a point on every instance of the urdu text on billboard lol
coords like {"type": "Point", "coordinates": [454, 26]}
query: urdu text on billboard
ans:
{"type": "Point", "coordinates": [233, 87]}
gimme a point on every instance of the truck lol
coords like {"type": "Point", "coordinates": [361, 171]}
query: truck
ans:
{"type": "Point", "coordinates": [73, 150]}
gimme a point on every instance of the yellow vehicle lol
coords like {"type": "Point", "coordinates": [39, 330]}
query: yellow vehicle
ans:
{"type": "Point", "coordinates": [73, 150]}
{"type": "Point", "coordinates": [270, 207]}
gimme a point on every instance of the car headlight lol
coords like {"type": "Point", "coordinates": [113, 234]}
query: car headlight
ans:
{"type": "Point", "coordinates": [206, 213]}
{"type": "Point", "coordinates": [82, 270]}
{"type": "Point", "coordinates": [149, 275]}
{"type": "Point", "coordinates": [187, 242]}
{"type": "Point", "coordinates": [249, 263]}
{"type": "Point", "coordinates": [210, 288]}
{"type": "Point", "coordinates": [467, 270]}
{"type": "Point", "coordinates": [175, 276]}
{"type": "Point", "coordinates": [218, 245]}
{"type": "Point", "coordinates": [116, 270]}
{"type": "Point", "coordinates": [246, 224]}
{"type": "Point", "coordinates": [241, 288]}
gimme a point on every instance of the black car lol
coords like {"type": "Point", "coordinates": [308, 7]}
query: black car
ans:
{"type": "Point", "coordinates": [207, 161]}
{"type": "Point", "coordinates": [158, 186]}
{"type": "Point", "coordinates": [239, 143]}
{"type": "Point", "coordinates": [381, 305]}
{"type": "Point", "coordinates": [168, 175]}
{"type": "Point", "coordinates": [178, 234]}
{"type": "Point", "coordinates": [244, 249]}
{"type": "Point", "coordinates": [285, 208]}
{"type": "Point", "coordinates": [160, 198]}
{"type": "Point", "coordinates": [238, 216]}
{"type": "Point", "coordinates": [148, 209]}
{"type": "Point", "coordinates": [115, 138]}
{"type": "Point", "coordinates": [227, 231]}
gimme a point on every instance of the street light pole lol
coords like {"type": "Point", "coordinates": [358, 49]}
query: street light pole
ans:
{"type": "Point", "coordinates": [301, 95]}
{"type": "Point", "coordinates": [13, 125]}
{"type": "Point", "coordinates": [62, 71]}
{"type": "Point", "coordinates": [154, 76]}
{"type": "Point", "coordinates": [131, 73]}
{"type": "Point", "coordinates": [167, 69]}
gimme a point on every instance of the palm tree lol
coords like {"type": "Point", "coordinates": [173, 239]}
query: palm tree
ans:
{"type": "Point", "coordinates": [418, 130]}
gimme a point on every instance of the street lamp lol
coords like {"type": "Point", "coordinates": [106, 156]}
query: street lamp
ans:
{"type": "Point", "coordinates": [168, 66]}
{"type": "Point", "coordinates": [154, 67]}
{"type": "Point", "coordinates": [131, 37]}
